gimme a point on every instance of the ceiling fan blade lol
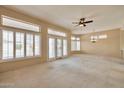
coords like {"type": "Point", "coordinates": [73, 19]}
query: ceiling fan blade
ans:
{"type": "Point", "coordinates": [82, 19]}
{"type": "Point", "coordinates": [88, 21]}
{"type": "Point", "coordinates": [75, 22]}
{"type": "Point", "coordinates": [76, 25]}
{"type": "Point", "coordinates": [84, 25]}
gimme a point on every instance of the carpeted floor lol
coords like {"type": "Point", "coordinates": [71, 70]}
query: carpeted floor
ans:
{"type": "Point", "coordinates": [77, 71]}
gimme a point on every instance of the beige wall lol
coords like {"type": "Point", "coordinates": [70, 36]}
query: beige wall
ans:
{"type": "Point", "coordinates": [107, 47]}
{"type": "Point", "coordinates": [122, 42]}
{"type": "Point", "coordinates": [11, 65]}
{"type": "Point", "coordinates": [6, 66]}
{"type": "Point", "coordinates": [122, 39]}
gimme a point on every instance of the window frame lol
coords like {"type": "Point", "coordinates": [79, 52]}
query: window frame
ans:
{"type": "Point", "coordinates": [25, 32]}
{"type": "Point", "coordinates": [21, 21]}
{"type": "Point", "coordinates": [30, 43]}
{"type": "Point", "coordinates": [56, 33]}
{"type": "Point", "coordinates": [20, 42]}
{"type": "Point", "coordinates": [8, 32]}
{"type": "Point", "coordinates": [75, 39]}
{"type": "Point", "coordinates": [39, 44]}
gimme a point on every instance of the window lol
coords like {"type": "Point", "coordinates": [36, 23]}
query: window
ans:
{"type": "Point", "coordinates": [102, 36]}
{"type": "Point", "coordinates": [75, 43]}
{"type": "Point", "coordinates": [52, 32]}
{"type": "Point", "coordinates": [7, 44]}
{"type": "Point", "coordinates": [65, 47]}
{"type": "Point", "coordinates": [12, 22]}
{"type": "Point", "coordinates": [78, 45]}
{"type": "Point", "coordinates": [73, 38]}
{"type": "Point", "coordinates": [37, 45]}
{"type": "Point", "coordinates": [21, 41]}
{"type": "Point", "coordinates": [19, 44]}
{"type": "Point", "coordinates": [77, 38]}
{"type": "Point", "coordinates": [29, 45]}
{"type": "Point", "coordinates": [94, 38]}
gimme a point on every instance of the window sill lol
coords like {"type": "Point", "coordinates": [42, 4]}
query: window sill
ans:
{"type": "Point", "coordinates": [76, 51]}
{"type": "Point", "coordinates": [18, 59]}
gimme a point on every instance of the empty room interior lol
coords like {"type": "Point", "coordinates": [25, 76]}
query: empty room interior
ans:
{"type": "Point", "coordinates": [61, 46]}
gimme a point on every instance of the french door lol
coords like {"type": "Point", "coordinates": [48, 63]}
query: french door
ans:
{"type": "Point", "coordinates": [65, 47]}
{"type": "Point", "coordinates": [57, 48]}
{"type": "Point", "coordinates": [52, 48]}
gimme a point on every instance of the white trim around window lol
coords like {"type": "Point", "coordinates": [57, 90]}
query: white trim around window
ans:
{"type": "Point", "coordinates": [13, 46]}
{"type": "Point", "coordinates": [10, 45]}
{"type": "Point", "coordinates": [75, 43]}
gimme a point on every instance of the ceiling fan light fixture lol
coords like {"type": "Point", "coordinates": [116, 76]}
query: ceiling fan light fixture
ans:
{"type": "Point", "coordinates": [93, 39]}
{"type": "Point", "coordinates": [81, 25]}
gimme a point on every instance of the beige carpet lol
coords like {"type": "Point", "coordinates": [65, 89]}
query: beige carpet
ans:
{"type": "Point", "coordinates": [76, 71]}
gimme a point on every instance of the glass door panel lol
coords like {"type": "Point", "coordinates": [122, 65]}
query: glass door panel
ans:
{"type": "Point", "coordinates": [59, 48]}
{"type": "Point", "coordinates": [64, 47]}
{"type": "Point", "coordinates": [51, 48]}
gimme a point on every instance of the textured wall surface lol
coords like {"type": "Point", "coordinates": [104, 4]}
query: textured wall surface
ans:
{"type": "Point", "coordinates": [106, 47]}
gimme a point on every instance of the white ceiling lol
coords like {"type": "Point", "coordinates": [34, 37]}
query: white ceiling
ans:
{"type": "Point", "coordinates": [105, 17]}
